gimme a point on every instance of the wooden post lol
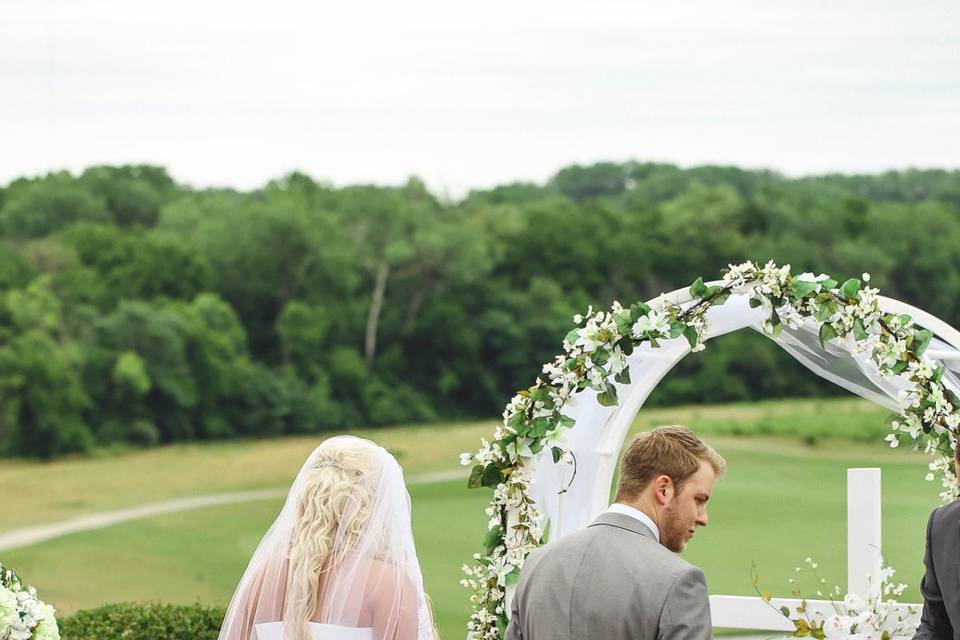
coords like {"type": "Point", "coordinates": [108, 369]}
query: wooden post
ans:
{"type": "Point", "coordinates": [863, 531]}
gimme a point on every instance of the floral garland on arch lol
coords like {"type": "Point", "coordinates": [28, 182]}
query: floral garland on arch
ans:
{"type": "Point", "coordinates": [595, 355]}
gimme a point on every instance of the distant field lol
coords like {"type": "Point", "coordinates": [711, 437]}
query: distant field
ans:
{"type": "Point", "coordinates": [45, 492]}
{"type": "Point", "coordinates": [781, 501]}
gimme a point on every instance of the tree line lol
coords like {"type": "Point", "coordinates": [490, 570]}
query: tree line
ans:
{"type": "Point", "coordinates": [135, 310]}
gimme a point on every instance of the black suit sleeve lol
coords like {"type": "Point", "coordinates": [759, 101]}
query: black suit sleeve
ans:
{"type": "Point", "coordinates": [934, 623]}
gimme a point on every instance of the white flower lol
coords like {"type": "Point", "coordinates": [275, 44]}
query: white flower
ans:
{"type": "Point", "coordinates": [587, 338]}
{"type": "Point", "coordinates": [953, 421]}
{"type": "Point", "coordinates": [595, 376]}
{"type": "Point", "coordinates": [8, 608]}
{"type": "Point", "coordinates": [837, 626]}
{"type": "Point", "coordinates": [466, 459]}
{"type": "Point", "coordinates": [47, 626]}
{"type": "Point", "coordinates": [913, 426]}
{"type": "Point", "coordinates": [854, 602]}
{"type": "Point", "coordinates": [618, 361]}
{"type": "Point", "coordinates": [889, 353]}
{"type": "Point", "coordinates": [892, 439]}
{"type": "Point", "coordinates": [653, 322]}
{"type": "Point", "coordinates": [921, 370]}
{"type": "Point", "coordinates": [936, 394]}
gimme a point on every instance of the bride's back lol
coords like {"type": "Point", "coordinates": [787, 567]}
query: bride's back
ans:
{"type": "Point", "coordinates": [378, 601]}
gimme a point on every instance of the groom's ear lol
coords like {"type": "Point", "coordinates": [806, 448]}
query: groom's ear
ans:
{"type": "Point", "coordinates": [663, 489]}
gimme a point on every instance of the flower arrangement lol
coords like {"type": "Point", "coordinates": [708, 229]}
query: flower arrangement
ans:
{"type": "Point", "coordinates": [594, 357]}
{"type": "Point", "coordinates": [23, 616]}
{"type": "Point", "coordinates": [877, 617]}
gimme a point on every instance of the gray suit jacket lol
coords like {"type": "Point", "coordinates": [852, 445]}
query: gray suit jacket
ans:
{"type": "Point", "coordinates": [941, 582]}
{"type": "Point", "coordinates": [612, 580]}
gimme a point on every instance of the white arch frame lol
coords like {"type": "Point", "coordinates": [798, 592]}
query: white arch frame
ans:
{"type": "Point", "coordinates": [609, 446]}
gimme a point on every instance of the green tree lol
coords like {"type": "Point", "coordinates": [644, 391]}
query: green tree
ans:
{"type": "Point", "coordinates": [133, 194]}
{"type": "Point", "coordinates": [39, 207]}
{"type": "Point", "coordinates": [42, 399]}
{"type": "Point", "coordinates": [154, 333]}
{"type": "Point", "coordinates": [15, 270]}
{"type": "Point", "coordinates": [140, 266]}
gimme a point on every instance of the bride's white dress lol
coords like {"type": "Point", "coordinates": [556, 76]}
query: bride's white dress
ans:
{"type": "Point", "coordinates": [274, 631]}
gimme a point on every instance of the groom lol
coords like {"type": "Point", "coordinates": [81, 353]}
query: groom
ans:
{"type": "Point", "coordinates": [620, 578]}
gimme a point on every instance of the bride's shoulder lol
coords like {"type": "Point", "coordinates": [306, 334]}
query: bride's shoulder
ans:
{"type": "Point", "coordinates": [383, 567]}
{"type": "Point", "coordinates": [386, 575]}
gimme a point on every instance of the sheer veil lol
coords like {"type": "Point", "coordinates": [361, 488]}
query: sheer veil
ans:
{"type": "Point", "coordinates": [340, 553]}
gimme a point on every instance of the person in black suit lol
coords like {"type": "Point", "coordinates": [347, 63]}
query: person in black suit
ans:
{"type": "Point", "coordinates": [940, 586]}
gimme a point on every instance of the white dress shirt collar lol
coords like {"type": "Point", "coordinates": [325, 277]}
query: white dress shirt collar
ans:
{"type": "Point", "coordinates": [627, 510]}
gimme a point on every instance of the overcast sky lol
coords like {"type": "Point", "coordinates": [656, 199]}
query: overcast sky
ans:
{"type": "Point", "coordinates": [471, 94]}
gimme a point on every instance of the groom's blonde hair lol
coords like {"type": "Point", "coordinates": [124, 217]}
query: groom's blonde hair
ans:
{"type": "Point", "coordinates": [672, 450]}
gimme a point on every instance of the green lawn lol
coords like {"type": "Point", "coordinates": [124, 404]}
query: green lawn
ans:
{"type": "Point", "coordinates": [780, 502]}
{"type": "Point", "coordinates": [35, 493]}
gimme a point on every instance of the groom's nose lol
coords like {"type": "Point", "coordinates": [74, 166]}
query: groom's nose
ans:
{"type": "Point", "coordinates": [702, 519]}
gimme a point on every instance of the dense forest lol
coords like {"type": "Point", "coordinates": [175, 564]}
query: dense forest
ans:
{"type": "Point", "coordinates": [137, 310]}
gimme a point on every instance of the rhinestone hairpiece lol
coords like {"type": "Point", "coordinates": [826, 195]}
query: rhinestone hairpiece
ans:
{"type": "Point", "coordinates": [328, 463]}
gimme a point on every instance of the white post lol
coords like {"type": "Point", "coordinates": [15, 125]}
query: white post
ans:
{"type": "Point", "coordinates": [863, 531]}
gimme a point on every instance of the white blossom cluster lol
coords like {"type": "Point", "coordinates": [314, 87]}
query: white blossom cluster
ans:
{"type": "Point", "coordinates": [855, 617]}
{"type": "Point", "coordinates": [942, 466]}
{"type": "Point", "coordinates": [488, 577]}
{"type": "Point", "coordinates": [23, 616]}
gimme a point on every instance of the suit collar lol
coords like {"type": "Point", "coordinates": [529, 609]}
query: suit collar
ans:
{"type": "Point", "coordinates": [622, 521]}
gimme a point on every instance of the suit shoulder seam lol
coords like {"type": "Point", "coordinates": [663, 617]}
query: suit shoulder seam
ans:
{"type": "Point", "coordinates": [576, 578]}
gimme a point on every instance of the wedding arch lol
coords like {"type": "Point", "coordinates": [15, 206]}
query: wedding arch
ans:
{"type": "Point", "coordinates": [553, 458]}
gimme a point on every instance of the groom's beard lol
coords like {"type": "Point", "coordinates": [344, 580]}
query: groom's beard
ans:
{"type": "Point", "coordinates": [675, 533]}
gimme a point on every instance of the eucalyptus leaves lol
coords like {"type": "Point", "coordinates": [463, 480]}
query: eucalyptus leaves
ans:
{"type": "Point", "coordinates": [594, 357]}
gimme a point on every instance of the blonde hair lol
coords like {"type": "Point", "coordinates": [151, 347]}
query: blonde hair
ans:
{"type": "Point", "coordinates": [672, 450]}
{"type": "Point", "coordinates": [340, 485]}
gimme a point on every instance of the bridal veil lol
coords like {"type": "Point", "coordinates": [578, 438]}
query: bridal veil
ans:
{"type": "Point", "coordinates": [339, 555]}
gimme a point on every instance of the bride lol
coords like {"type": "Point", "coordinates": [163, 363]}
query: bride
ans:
{"type": "Point", "coordinates": [339, 562]}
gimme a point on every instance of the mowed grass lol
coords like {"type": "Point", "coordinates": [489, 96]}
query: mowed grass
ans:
{"type": "Point", "coordinates": [199, 556]}
{"type": "Point", "coordinates": [780, 502]}
{"type": "Point", "coordinates": [36, 493]}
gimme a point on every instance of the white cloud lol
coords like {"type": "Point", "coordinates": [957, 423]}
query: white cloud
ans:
{"type": "Point", "coordinates": [473, 94]}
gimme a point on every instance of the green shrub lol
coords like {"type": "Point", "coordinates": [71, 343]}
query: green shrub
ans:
{"type": "Point", "coordinates": [154, 621]}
